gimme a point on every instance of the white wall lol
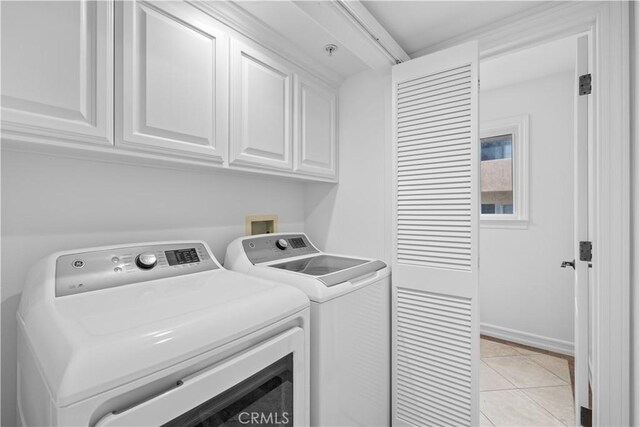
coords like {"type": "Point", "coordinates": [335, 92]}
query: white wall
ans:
{"type": "Point", "coordinates": [352, 217]}
{"type": "Point", "coordinates": [54, 203]}
{"type": "Point", "coordinates": [522, 287]}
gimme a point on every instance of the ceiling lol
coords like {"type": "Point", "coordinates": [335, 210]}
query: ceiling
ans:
{"type": "Point", "coordinates": [291, 22]}
{"type": "Point", "coordinates": [417, 25]}
{"type": "Point", "coordinates": [528, 64]}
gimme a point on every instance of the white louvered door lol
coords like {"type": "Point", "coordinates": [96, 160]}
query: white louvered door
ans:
{"type": "Point", "coordinates": [435, 246]}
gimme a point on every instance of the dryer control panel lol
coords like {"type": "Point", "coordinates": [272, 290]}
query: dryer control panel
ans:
{"type": "Point", "coordinates": [94, 270]}
{"type": "Point", "coordinates": [268, 247]}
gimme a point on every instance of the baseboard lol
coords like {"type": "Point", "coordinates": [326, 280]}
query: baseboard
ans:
{"type": "Point", "coordinates": [526, 338]}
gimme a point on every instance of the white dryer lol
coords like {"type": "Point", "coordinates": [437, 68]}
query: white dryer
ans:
{"type": "Point", "coordinates": [350, 323]}
{"type": "Point", "coordinates": [159, 334]}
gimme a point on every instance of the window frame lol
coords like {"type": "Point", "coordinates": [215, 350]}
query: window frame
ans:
{"type": "Point", "coordinates": [518, 128]}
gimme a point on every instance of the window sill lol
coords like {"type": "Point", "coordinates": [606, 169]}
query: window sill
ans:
{"type": "Point", "coordinates": [511, 223]}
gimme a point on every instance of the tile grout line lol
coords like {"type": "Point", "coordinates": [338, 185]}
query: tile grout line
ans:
{"type": "Point", "coordinates": [537, 364]}
{"type": "Point", "coordinates": [523, 390]}
{"type": "Point", "coordinates": [501, 376]}
{"type": "Point", "coordinates": [542, 386]}
{"type": "Point", "coordinates": [532, 360]}
{"type": "Point", "coordinates": [543, 408]}
{"type": "Point", "coordinates": [536, 404]}
{"type": "Point", "coordinates": [553, 373]}
{"type": "Point", "coordinates": [489, 419]}
{"type": "Point", "coordinates": [540, 406]}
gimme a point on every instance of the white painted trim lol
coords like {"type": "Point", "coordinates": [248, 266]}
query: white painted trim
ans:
{"type": "Point", "coordinates": [511, 223]}
{"type": "Point", "coordinates": [635, 395]}
{"type": "Point", "coordinates": [546, 22]}
{"type": "Point", "coordinates": [518, 127]}
{"type": "Point", "coordinates": [583, 187]}
{"type": "Point", "coordinates": [612, 240]}
{"type": "Point", "coordinates": [527, 338]}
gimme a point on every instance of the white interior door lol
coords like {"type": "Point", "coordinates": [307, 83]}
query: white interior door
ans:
{"type": "Point", "coordinates": [581, 233]}
{"type": "Point", "coordinates": [435, 246]}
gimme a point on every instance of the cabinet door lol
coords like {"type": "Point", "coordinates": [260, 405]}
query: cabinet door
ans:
{"type": "Point", "coordinates": [171, 81]}
{"type": "Point", "coordinates": [260, 109]}
{"type": "Point", "coordinates": [315, 128]}
{"type": "Point", "coordinates": [57, 71]}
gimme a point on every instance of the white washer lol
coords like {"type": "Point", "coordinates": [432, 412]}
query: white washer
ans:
{"type": "Point", "coordinates": [350, 323]}
{"type": "Point", "coordinates": [158, 334]}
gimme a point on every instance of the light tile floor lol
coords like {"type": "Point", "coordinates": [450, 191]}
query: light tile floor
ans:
{"type": "Point", "coordinates": [520, 387]}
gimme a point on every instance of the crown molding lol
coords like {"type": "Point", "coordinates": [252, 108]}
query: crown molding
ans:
{"type": "Point", "coordinates": [532, 27]}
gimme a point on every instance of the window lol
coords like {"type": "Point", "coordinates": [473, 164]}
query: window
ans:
{"type": "Point", "coordinates": [503, 171]}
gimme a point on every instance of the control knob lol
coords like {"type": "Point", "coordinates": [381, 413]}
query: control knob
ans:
{"type": "Point", "coordinates": [282, 244]}
{"type": "Point", "coordinates": [146, 260]}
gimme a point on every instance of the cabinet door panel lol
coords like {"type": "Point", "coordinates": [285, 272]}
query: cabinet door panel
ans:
{"type": "Point", "coordinates": [260, 109]}
{"type": "Point", "coordinates": [315, 125]}
{"type": "Point", "coordinates": [173, 91]}
{"type": "Point", "coordinates": [57, 70]}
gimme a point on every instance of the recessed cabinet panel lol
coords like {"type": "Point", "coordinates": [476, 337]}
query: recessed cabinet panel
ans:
{"type": "Point", "coordinates": [173, 91]}
{"type": "Point", "coordinates": [260, 109]}
{"type": "Point", "coordinates": [57, 62]}
{"type": "Point", "coordinates": [315, 128]}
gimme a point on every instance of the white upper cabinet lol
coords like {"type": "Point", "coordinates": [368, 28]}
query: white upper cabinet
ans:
{"type": "Point", "coordinates": [57, 71]}
{"type": "Point", "coordinates": [171, 80]}
{"type": "Point", "coordinates": [315, 128]}
{"type": "Point", "coordinates": [260, 109]}
{"type": "Point", "coordinates": [162, 81]}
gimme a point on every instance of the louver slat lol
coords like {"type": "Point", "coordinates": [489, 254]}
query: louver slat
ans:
{"type": "Point", "coordinates": [433, 353]}
{"type": "Point", "coordinates": [433, 169]}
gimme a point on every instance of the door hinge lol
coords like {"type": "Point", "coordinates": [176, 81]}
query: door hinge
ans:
{"type": "Point", "coordinates": [585, 416]}
{"type": "Point", "coordinates": [586, 251]}
{"type": "Point", "coordinates": [584, 85]}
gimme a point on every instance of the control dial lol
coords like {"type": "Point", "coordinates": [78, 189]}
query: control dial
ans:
{"type": "Point", "coordinates": [282, 244]}
{"type": "Point", "coordinates": [146, 260]}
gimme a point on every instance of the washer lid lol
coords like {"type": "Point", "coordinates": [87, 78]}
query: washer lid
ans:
{"type": "Point", "coordinates": [91, 342]}
{"type": "Point", "coordinates": [331, 269]}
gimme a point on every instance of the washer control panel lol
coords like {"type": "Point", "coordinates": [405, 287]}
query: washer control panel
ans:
{"type": "Point", "coordinates": [94, 270]}
{"type": "Point", "coordinates": [266, 247]}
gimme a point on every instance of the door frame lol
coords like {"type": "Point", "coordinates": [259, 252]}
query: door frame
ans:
{"type": "Point", "coordinates": [608, 25]}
